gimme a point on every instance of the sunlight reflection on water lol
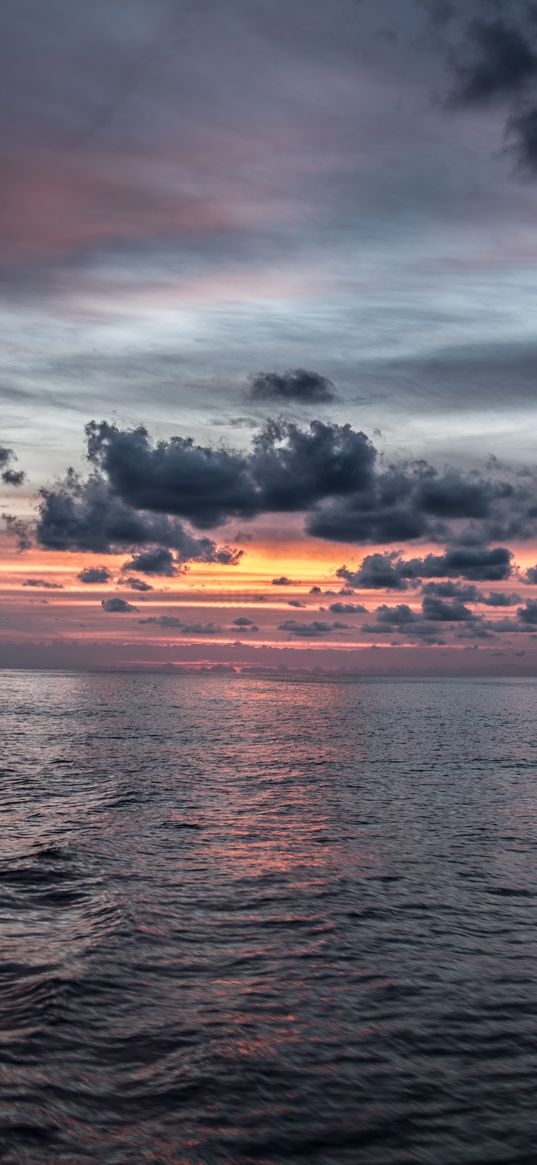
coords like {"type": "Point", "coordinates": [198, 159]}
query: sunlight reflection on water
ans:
{"type": "Point", "coordinates": [252, 921]}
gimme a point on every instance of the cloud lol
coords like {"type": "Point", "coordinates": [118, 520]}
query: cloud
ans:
{"type": "Point", "coordinates": [282, 581]}
{"type": "Point", "coordinates": [499, 599]}
{"type": "Point", "coordinates": [158, 560]}
{"type": "Point", "coordinates": [288, 469]}
{"type": "Point", "coordinates": [528, 613]}
{"type": "Point", "coordinates": [42, 584]}
{"type": "Point", "coordinates": [136, 584]}
{"type": "Point", "coordinates": [202, 629]}
{"type": "Point", "coordinates": [173, 622]}
{"type": "Point", "coordinates": [442, 611]}
{"type": "Point", "coordinates": [522, 131]}
{"type": "Point", "coordinates": [392, 572]}
{"type": "Point", "coordinates": [141, 493]}
{"type": "Point", "coordinates": [9, 475]}
{"type": "Point", "coordinates": [466, 592]}
{"type": "Point", "coordinates": [296, 385]}
{"type": "Point", "coordinates": [347, 608]}
{"type": "Point", "coordinates": [379, 572]}
{"type": "Point", "coordinates": [500, 62]}
{"type": "Point", "coordinates": [94, 574]}
{"type": "Point", "coordinates": [399, 616]}
{"type": "Point", "coordinates": [88, 515]}
{"type": "Point", "coordinates": [474, 563]}
{"type": "Point", "coordinates": [116, 604]}
{"type": "Point", "coordinates": [314, 630]}
{"type": "Point", "coordinates": [163, 621]}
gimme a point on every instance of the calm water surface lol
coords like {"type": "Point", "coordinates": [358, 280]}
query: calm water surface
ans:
{"type": "Point", "coordinates": [250, 921]}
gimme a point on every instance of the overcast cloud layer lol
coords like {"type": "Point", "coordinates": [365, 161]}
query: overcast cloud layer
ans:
{"type": "Point", "coordinates": [287, 252]}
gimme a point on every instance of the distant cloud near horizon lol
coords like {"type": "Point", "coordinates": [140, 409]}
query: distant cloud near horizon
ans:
{"type": "Point", "coordinates": [117, 604]}
{"type": "Point", "coordinates": [94, 574]}
{"type": "Point", "coordinates": [42, 584]}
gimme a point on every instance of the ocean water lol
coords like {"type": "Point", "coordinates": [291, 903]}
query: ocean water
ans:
{"type": "Point", "coordinates": [254, 921]}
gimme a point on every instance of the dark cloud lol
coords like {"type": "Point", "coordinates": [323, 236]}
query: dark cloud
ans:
{"type": "Point", "coordinates": [157, 560]}
{"type": "Point", "coordinates": [295, 603]}
{"type": "Point", "coordinates": [499, 599]}
{"type": "Point", "coordinates": [442, 611]}
{"type": "Point", "coordinates": [136, 584]}
{"type": "Point", "coordinates": [380, 572]}
{"type": "Point", "coordinates": [466, 592]}
{"type": "Point", "coordinates": [88, 515]}
{"type": "Point", "coordinates": [9, 475]}
{"type": "Point", "coordinates": [500, 61]}
{"type": "Point", "coordinates": [170, 621]}
{"type": "Point", "coordinates": [522, 133]}
{"type": "Point", "coordinates": [474, 563]}
{"type": "Point", "coordinates": [18, 529]}
{"type": "Point", "coordinates": [347, 609]}
{"type": "Point", "coordinates": [288, 469]}
{"type": "Point", "coordinates": [528, 613]}
{"type": "Point", "coordinates": [531, 575]}
{"type": "Point", "coordinates": [297, 385]}
{"type": "Point", "coordinates": [115, 604]}
{"type": "Point", "coordinates": [314, 630]}
{"type": "Point", "coordinates": [94, 574]}
{"type": "Point", "coordinates": [414, 500]}
{"type": "Point", "coordinates": [140, 492]}
{"type": "Point", "coordinates": [392, 572]}
{"type": "Point", "coordinates": [282, 581]}
{"type": "Point", "coordinates": [42, 584]}
{"type": "Point", "coordinates": [202, 629]}
{"type": "Point", "coordinates": [399, 616]}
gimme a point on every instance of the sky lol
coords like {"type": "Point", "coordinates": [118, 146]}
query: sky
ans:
{"type": "Point", "coordinates": [268, 303]}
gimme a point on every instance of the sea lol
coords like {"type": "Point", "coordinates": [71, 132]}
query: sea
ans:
{"type": "Point", "coordinates": [250, 920]}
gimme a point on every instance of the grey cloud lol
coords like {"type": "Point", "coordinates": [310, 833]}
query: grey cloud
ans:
{"type": "Point", "coordinates": [157, 560]}
{"type": "Point", "coordinates": [117, 605]}
{"type": "Point", "coordinates": [140, 490]}
{"type": "Point", "coordinates": [522, 132]}
{"type": "Point", "coordinates": [440, 610]}
{"type": "Point", "coordinates": [528, 613]}
{"type": "Point", "coordinates": [347, 608]}
{"type": "Point", "coordinates": [136, 584]}
{"type": "Point", "coordinates": [466, 592]}
{"type": "Point", "coordinates": [9, 475]}
{"type": "Point", "coordinates": [314, 630]}
{"type": "Point", "coordinates": [288, 469]}
{"type": "Point", "coordinates": [163, 621]}
{"type": "Point", "coordinates": [42, 584]}
{"type": "Point", "coordinates": [400, 615]}
{"type": "Point", "coordinates": [501, 61]}
{"type": "Point", "coordinates": [88, 515]}
{"type": "Point", "coordinates": [297, 385]}
{"type": "Point", "coordinates": [499, 599]}
{"type": "Point", "coordinates": [379, 572]}
{"type": "Point", "coordinates": [94, 574]}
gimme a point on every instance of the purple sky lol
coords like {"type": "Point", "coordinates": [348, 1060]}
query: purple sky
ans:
{"type": "Point", "coordinates": [219, 214]}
